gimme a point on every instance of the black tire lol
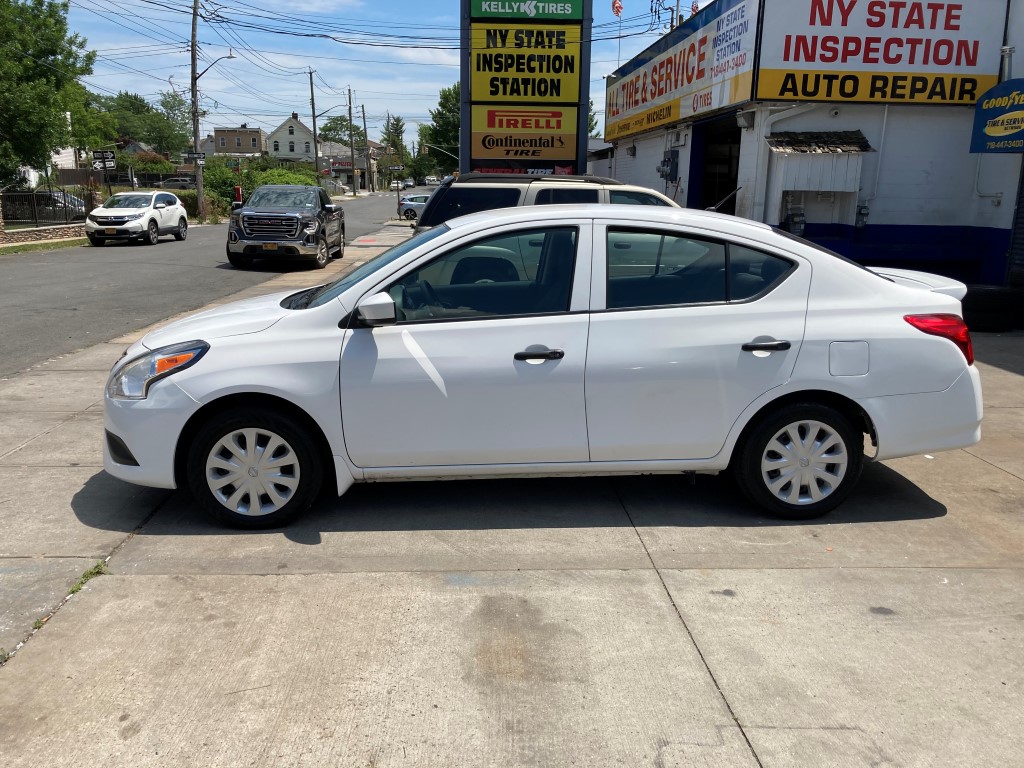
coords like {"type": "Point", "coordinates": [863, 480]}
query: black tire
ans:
{"type": "Point", "coordinates": [239, 260]}
{"type": "Point", "coordinates": [341, 244]}
{"type": "Point", "coordinates": [182, 231]}
{"type": "Point", "coordinates": [152, 233]}
{"type": "Point", "coordinates": [409, 213]}
{"type": "Point", "coordinates": [323, 253]}
{"type": "Point", "coordinates": [237, 445]}
{"type": "Point", "coordinates": [833, 470]}
{"type": "Point", "coordinates": [990, 308]}
{"type": "Point", "coordinates": [96, 241]}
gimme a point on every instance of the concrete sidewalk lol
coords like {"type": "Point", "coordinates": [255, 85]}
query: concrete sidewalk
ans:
{"type": "Point", "coordinates": [592, 622]}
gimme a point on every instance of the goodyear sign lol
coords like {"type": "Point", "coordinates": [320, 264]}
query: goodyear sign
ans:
{"type": "Point", "coordinates": [528, 9]}
{"type": "Point", "coordinates": [999, 119]}
{"type": "Point", "coordinates": [527, 133]}
{"type": "Point", "coordinates": [525, 63]}
{"type": "Point", "coordinates": [525, 70]}
{"type": "Point", "coordinates": [910, 51]}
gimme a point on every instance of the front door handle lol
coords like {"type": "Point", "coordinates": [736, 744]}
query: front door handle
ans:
{"type": "Point", "coordinates": [766, 346]}
{"type": "Point", "coordinates": [543, 354]}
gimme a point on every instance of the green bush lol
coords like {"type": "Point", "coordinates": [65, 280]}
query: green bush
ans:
{"type": "Point", "coordinates": [217, 207]}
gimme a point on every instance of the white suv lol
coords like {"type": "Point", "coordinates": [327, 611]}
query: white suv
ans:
{"type": "Point", "coordinates": [137, 216]}
{"type": "Point", "coordinates": [475, 192]}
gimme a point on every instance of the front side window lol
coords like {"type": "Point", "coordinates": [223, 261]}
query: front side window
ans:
{"type": "Point", "coordinates": [459, 201]}
{"type": "Point", "coordinates": [655, 269]}
{"type": "Point", "coordinates": [528, 272]}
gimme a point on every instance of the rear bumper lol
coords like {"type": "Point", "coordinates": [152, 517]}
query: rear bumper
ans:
{"type": "Point", "coordinates": [913, 424]}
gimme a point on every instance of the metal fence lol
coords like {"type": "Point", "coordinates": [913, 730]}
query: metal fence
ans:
{"type": "Point", "coordinates": [45, 208]}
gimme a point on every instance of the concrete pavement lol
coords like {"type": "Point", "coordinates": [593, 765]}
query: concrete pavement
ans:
{"type": "Point", "coordinates": [592, 622]}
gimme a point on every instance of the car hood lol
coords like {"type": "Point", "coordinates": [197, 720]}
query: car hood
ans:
{"type": "Point", "coordinates": [117, 211]}
{"type": "Point", "coordinates": [923, 280]}
{"type": "Point", "coordinates": [277, 211]}
{"type": "Point", "coordinates": [235, 319]}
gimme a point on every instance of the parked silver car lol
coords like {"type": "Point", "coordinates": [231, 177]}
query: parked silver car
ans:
{"type": "Point", "coordinates": [411, 205]}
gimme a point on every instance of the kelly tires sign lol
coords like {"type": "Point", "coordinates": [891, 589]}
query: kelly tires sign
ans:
{"type": "Point", "coordinates": [524, 80]}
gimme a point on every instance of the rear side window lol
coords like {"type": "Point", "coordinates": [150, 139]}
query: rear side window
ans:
{"type": "Point", "coordinates": [566, 196]}
{"type": "Point", "coordinates": [455, 201]}
{"type": "Point", "coordinates": [629, 197]}
{"type": "Point", "coordinates": [653, 269]}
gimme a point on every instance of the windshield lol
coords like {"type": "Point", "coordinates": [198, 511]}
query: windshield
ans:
{"type": "Point", "coordinates": [338, 287]}
{"type": "Point", "coordinates": [282, 198]}
{"type": "Point", "coordinates": [129, 201]}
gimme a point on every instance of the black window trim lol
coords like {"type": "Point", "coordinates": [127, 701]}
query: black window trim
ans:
{"type": "Point", "coordinates": [728, 278]}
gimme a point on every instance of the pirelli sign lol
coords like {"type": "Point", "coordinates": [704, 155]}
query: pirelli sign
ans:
{"type": "Point", "coordinates": [525, 70]}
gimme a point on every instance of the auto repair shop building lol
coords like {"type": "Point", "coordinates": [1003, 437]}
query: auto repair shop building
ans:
{"type": "Point", "coordinates": [847, 121]}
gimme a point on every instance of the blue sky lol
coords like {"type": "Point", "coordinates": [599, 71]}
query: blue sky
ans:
{"type": "Point", "coordinates": [395, 56]}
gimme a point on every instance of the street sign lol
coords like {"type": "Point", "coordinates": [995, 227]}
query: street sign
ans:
{"type": "Point", "coordinates": [102, 154]}
{"type": "Point", "coordinates": [195, 155]}
{"type": "Point", "coordinates": [104, 165]}
{"type": "Point", "coordinates": [396, 167]}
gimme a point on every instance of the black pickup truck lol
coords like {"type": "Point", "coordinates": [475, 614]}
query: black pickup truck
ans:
{"type": "Point", "coordinates": [286, 221]}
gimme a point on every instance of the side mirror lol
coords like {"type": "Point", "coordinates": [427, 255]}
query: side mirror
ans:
{"type": "Point", "coordinates": [377, 310]}
{"type": "Point", "coordinates": [235, 205]}
{"type": "Point", "coordinates": [160, 206]}
{"type": "Point", "coordinates": [330, 208]}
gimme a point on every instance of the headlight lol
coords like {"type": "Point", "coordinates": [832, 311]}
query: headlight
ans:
{"type": "Point", "coordinates": [310, 225]}
{"type": "Point", "coordinates": [131, 380]}
{"type": "Point", "coordinates": [134, 216]}
{"type": "Point", "coordinates": [92, 217]}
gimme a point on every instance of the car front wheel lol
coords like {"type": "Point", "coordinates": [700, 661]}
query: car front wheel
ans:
{"type": "Point", "coordinates": [182, 231]}
{"type": "Point", "coordinates": [152, 233]}
{"type": "Point", "coordinates": [97, 241]}
{"type": "Point", "coordinates": [254, 468]}
{"type": "Point", "coordinates": [409, 213]}
{"type": "Point", "coordinates": [800, 461]}
{"type": "Point", "coordinates": [323, 252]}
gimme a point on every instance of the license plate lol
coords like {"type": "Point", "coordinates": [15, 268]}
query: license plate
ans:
{"type": "Point", "coordinates": [270, 247]}
{"type": "Point", "coordinates": [110, 231]}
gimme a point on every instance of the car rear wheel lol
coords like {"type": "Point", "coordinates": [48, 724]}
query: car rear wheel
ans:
{"type": "Point", "coordinates": [323, 253]}
{"type": "Point", "coordinates": [254, 468]}
{"type": "Point", "coordinates": [409, 213]}
{"type": "Point", "coordinates": [800, 461]}
{"type": "Point", "coordinates": [182, 231]}
{"type": "Point", "coordinates": [152, 233]}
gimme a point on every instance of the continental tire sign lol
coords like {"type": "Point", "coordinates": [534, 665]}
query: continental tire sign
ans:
{"type": "Point", "coordinates": [524, 67]}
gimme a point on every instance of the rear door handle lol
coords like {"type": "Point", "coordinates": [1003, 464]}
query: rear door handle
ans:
{"type": "Point", "coordinates": [766, 346]}
{"type": "Point", "coordinates": [542, 354]}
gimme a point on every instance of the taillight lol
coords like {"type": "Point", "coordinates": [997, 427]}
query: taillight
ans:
{"type": "Point", "coordinates": [950, 327]}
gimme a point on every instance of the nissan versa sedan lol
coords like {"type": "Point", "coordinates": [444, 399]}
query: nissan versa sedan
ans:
{"type": "Point", "coordinates": [553, 340]}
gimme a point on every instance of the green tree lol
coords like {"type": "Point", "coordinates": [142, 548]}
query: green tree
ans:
{"type": "Point", "coordinates": [91, 126]}
{"type": "Point", "coordinates": [336, 129]}
{"type": "Point", "coordinates": [39, 65]}
{"type": "Point", "coordinates": [446, 122]}
{"type": "Point", "coordinates": [592, 123]}
{"type": "Point", "coordinates": [393, 136]}
{"type": "Point", "coordinates": [173, 132]}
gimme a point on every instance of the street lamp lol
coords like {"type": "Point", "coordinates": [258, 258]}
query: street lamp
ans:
{"type": "Point", "coordinates": [200, 200]}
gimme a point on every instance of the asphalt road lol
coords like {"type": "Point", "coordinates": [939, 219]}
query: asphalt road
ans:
{"type": "Point", "coordinates": [54, 302]}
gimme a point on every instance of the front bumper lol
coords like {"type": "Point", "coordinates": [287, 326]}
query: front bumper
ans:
{"type": "Point", "coordinates": [305, 248]}
{"type": "Point", "coordinates": [127, 231]}
{"type": "Point", "coordinates": [142, 435]}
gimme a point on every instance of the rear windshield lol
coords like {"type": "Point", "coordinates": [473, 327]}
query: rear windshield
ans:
{"type": "Point", "coordinates": [448, 202]}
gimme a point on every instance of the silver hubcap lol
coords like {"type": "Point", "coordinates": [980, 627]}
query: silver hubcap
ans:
{"type": "Point", "coordinates": [252, 472]}
{"type": "Point", "coordinates": [322, 255]}
{"type": "Point", "coordinates": [182, 229]}
{"type": "Point", "coordinates": [804, 462]}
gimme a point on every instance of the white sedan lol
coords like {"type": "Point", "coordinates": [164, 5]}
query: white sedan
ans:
{"type": "Point", "coordinates": [553, 340]}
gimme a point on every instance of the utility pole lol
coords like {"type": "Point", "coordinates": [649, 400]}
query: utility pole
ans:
{"type": "Point", "coordinates": [316, 152]}
{"type": "Point", "coordinates": [352, 147]}
{"type": "Point", "coordinates": [200, 200]}
{"type": "Point", "coordinates": [370, 184]}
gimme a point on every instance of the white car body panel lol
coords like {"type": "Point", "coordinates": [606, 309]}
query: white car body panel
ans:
{"type": "Point", "coordinates": [653, 390]}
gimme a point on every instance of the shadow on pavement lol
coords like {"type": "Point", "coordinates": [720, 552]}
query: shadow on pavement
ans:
{"type": "Point", "coordinates": [601, 502]}
{"type": "Point", "coordinates": [1002, 350]}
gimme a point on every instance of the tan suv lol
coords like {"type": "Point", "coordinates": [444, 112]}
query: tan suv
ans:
{"type": "Point", "coordinates": [475, 192]}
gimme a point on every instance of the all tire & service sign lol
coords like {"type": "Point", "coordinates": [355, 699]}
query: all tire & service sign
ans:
{"type": "Point", "coordinates": [704, 64]}
{"type": "Point", "coordinates": [881, 51]}
{"type": "Point", "coordinates": [999, 119]}
{"type": "Point", "coordinates": [524, 65]}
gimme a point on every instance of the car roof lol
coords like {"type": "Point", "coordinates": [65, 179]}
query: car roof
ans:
{"type": "Point", "coordinates": [527, 178]}
{"type": "Point", "coordinates": [720, 222]}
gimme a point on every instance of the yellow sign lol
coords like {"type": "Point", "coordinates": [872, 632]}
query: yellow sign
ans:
{"type": "Point", "coordinates": [917, 88]}
{"type": "Point", "coordinates": [535, 63]}
{"type": "Point", "coordinates": [643, 121]}
{"type": "Point", "coordinates": [509, 132]}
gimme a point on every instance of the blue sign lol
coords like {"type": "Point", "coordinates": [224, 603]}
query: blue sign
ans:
{"type": "Point", "coordinates": [999, 119]}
